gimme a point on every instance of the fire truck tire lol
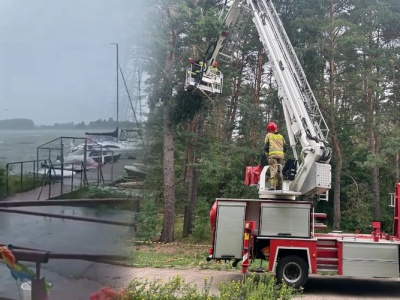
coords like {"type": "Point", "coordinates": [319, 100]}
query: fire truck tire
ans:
{"type": "Point", "coordinates": [292, 270]}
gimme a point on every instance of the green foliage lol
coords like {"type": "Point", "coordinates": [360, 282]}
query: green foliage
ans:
{"type": "Point", "coordinates": [360, 101]}
{"type": "Point", "coordinates": [148, 223]}
{"type": "Point", "coordinates": [101, 192]}
{"type": "Point", "coordinates": [222, 172]}
{"type": "Point", "coordinates": [254, 288]}
{"type": "Point", "coordinates": [181, 256]}
{"type": "Point", "coordinates": [2, 182]}
{"type": "Point", "coordinates": [17, 183]}
{"type": "Point", "coordinates": [93, 192]}
{"type": "Point", "coordinates": [187, 105]}
{"type": "Point", "coordinates": [205, 27]}
{"type": "Point", "coordinates": [175, 288]}
{"type": "Point", "coordinates": [202, 229]}
{"type": "Point", "coordinates": [356, 211]}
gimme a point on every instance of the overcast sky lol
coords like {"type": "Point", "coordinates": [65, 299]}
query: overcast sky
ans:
{"type": "Point", "coordinates": [56, 60]}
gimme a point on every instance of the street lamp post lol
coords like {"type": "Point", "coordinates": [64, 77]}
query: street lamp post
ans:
{"type": "Point", "coordinates": [116, 44]}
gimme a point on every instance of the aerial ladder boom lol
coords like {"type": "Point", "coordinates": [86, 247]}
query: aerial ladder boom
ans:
{"type": "Point", "coordinates": [304, 121]}
{"type": "Point", "coordinates": [230, 38]}
{"type": "Point", "coordinates": [201, 78]}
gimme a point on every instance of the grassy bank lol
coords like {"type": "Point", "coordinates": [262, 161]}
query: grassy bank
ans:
{"type": "Point", "coordinates": [179, 255]}
{"type": "Point", "coordinates": [14, 184]}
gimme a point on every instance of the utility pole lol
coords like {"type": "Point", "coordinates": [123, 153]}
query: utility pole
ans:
{"type": "Point", "coordinates": [116, 44]}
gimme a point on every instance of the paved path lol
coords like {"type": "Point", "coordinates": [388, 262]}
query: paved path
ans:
{"type": "Point", "coordinates": [339, 287]}
{"type": "Point", "coordinates": [317, 288]}
{"type": "Point", "coordinates": [77, 281]}
{"type": "Point", "coordinates": [72, 279]}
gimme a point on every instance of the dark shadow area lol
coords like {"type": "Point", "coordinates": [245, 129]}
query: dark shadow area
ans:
{"type": "Point", "coordinates": [355, 287]}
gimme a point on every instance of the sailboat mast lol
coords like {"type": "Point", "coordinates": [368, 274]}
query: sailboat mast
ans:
{"type": "Point", "coordinates": [116, 44]}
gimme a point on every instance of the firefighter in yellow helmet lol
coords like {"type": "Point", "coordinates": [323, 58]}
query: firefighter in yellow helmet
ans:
{"type": "Point", "coordinates": [200, 67]}
{"type": "Point", "coordinates": [275, 150]}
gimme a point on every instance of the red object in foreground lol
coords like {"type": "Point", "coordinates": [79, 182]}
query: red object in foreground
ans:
{"type": "Point", "coordinates": [247, 243]}
{"type": "Point", "coordinates": [252, 176]}
{"type": "Point", "coordinates": [106, 293]}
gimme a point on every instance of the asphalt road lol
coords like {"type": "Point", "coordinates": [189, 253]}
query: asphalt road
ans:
{"type": "Point", "coordinates": [339, 287]}
{"type": "Point", "coordinates": [73, 279]}
{"type": "Point", "coordinates": [318, 287]}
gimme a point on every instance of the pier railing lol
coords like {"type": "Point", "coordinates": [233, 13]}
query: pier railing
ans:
{"type": "Point", "coordinates": [53, 175]}
{"type": "Point", "coordinates": [97, 161]}
{"type": "Point", "coordinates": [22, 176]}
{"type": "Point", "coordinates": [26, 176]}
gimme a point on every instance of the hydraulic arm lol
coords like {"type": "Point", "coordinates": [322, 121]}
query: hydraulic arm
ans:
{"type": "Point", "coordinates": [202, 78]}
{"type": "Point", "coordinates": [304, 121]}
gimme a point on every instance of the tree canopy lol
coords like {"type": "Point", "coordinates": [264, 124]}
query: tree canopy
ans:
{"type": "Point", "coordinates": [350, 51]}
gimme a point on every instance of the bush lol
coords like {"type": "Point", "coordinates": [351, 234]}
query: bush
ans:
{"type": "Point", "coordinates": [147, 222]}
{"type": "Point", "coordinates": [255, 287]}
{"type": "Point", "coordinates": [202, 228]}
{"type": "Point", "coordinates": [26, 182]}
{"type": "Point", "coordinates": [11, 184]}
{"type": "Point", "coordinates": [102, 192]}
{"type": "Point", "coordinates": [157, 289]}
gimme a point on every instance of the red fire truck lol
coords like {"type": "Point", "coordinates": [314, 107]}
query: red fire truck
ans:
{"type": "Point", "coordinates": [284, 234]}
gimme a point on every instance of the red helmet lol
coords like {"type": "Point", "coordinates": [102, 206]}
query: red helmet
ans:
{"type": "Point", "coordinates": [215, 64]}
{"type": "Point", "coordinates": [272, 127]}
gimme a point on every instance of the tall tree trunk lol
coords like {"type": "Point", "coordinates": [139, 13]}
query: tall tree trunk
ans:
{"type": "Point", "coordinates": [376, 192]}
{"type": "Point", "coordinates": [397, 158]}
{"type": "Point", "coordinates": [193, 176]}
{"type": "Point", "coordinates": [190, 209]}
{"type": "Point", "coordinates": [373, 138]}
{"type": "Point", "coordinates": [335, 141]}
{"type": "Point", "coordinates": [373, 146]}
{"type": "Point", "coordinates": [256, 102]}
{"type": "Point", "coordinates": [167, 232]}
{"type": "Point", "coordinates": [233, 106]}
{"type": "Point", "coordinates": [189, 177]}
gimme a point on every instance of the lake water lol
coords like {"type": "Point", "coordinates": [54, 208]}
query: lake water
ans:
{"type": "Point", "coordinates": [21, 145]}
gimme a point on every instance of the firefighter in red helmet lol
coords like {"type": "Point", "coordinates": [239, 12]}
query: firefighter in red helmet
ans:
{"type": "Point", "coordinates": [214, 67]}
{"type": "Point", "coordinates": [275, 150]}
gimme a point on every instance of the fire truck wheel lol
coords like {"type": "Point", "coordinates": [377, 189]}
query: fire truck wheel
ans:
{"type": "Point", "coordinates": [292, 270]}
